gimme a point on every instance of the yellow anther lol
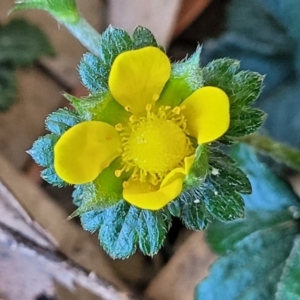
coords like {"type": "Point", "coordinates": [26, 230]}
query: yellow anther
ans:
{"type": "Point", "coordinates": [155, 97]}
{"type": "Point", "coordinates": [135, 177]}
{"type": "Point", "coordinates": [132, 119]}
{"type": "Point", "coordinates": [127, 108]}
{"type": "Point", "coordinates": [182, 107]}
{"type": "Point", "coordinates": [176, 110]}
{"type": "Point", "coordinates": [119, 127]}
{"type": "Point", "coordinates": [151, 188]}
{"type": "Point", "coordinates": [125, 184]}
{"type": "Point", "coordinates": [148, 107]}
{"type": "Point", "coordinates": [120, 150]}
{"type": "Point", "coordinates": [118, 173]}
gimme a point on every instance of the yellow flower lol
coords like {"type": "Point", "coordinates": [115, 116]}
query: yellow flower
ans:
{"type": "Point", "coordinates": [156, 144]}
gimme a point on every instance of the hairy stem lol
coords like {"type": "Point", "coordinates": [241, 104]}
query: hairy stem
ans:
{"type": "Point", "coordinates": [280, 152]}
{"type": "Point", "coordinates": [86, 34]}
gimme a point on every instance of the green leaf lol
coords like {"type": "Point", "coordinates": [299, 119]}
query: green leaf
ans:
{"type": "Point", "coordinates": [63, 10]}
{"type": "Point", "coordinates": [91, 221]}
{"type": "Point", "coordinates": [51, 177]}
{"type": "Point", "coordinates": [193, 211]}
{"type": "Point", "coordinates": [143, 37]}
{"type": "Point", "coordinates": [42, 150]}
{"type": "Point", "coordinates": [61, 120]}
{"type": "Point", "coordinates": [277, 194]}
{"type": "Point", "coordinates": [117, 233]}
{"type": "Point", "coordinates": [21, 44]}
{"type": "Point", "coordinates": [245, 121]}
{"type": "Point", "coordinates": [261, 252]}
{"type": "Point", "coordinates": [186, 77]}
{"type": "Point", "coordinates": [114, 41]}
{"type": "Point", "coordinates": [214, 193]}
{"type": "Point", "coordinates": [222, 188]}
{"type": "Point", "coordinates": [255, 262]}
{"type": "Point", "coordinates": [242, 88]}
{"type": "Point", "coordinates": [289, 287]}
{"type": "Point", "coordinates": [8, 87]}
{"type": "Point", "coordinates": [122, 228]}
{"type": "Point", "coordinates": [43, 154]}
{"type": "Point", "coordinates": [93, 73]}
{"type": "Point", "coordinates": [152, 228]}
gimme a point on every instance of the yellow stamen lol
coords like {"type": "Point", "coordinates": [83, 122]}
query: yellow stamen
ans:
{"type": "Point", "coordinates": [119, 127]}
{"type": "Point", "coordinates": [155, 97]}
{"type": "Point", "coordinates": [118, 173]}
{"type": "Point", "coordinates": [133, 119]}
{"type": "Point", "coordinates": [125, 184]}
{"type": "Point", "coordinates": [154, 144]}
{"type": "Point", "coordinates": [176, 110]}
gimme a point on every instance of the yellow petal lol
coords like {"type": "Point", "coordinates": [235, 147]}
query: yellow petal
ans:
{"type": "Point", "coordinates": [207, 113]}
{"type": "Point", "coordinates": [138, 77]}
{"type": "Point", "coordinates": [84, 150]}
{"type": "Point", "coordinates": [139, 194]}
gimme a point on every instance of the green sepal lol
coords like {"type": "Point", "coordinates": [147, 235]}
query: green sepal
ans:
{"type": "Point", "coordinates": [114, 41]}
{"type": "Point", "coordinates": [242, 88]}
{"type": "Point", "coordinates": [228, 172]}
{"type": "Point", "coordinates": [199, 168]}
{"type": "Point", "coordinates": [63, 10]}
{"type": "Point", "coordinates": [61, 120]}
{"type": "Point", "coordinates": [8, 87]}
{"type": "Point", "coordinates": [77, 194]}
{"type": "Point", "coordinates": [22, 44]}
{"type": "Point", "coordinates": [152, 228]}
{"type": "Point", "coordinates": [43, 154]}
{"type": "Point", "coordinates": [211, 190]}
{"type": "Point", "coordinates": [191, 209]}
{"type": "Point", "coordinates": [42, 150]}
{"type": "Point", "coordinates": [99, 107]}
{"type": "Point", "coordinates": [222, 187]}
{"type": "Point", "coordinates": [93, 73]}
{"type": "Point", "coordinates": [243, 122]}
{"type": "Point", "coordinates": [143, 37]}
{"type": "Point", "coordinates": [123, 227]}
{"type": "Point", "coordinates": [50, 176]}
{"type": "Point", "coordinates": [186, 77]}
{"type": "Point", "coordinates": [106, 190]}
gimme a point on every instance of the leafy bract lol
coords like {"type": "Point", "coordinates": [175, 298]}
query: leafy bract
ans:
{"type": "Point", "coordinates": [94, 70]}
{"type": "Point", "coordinates": [124, 228]}
{"type": "Point", "coordinates": [42, 150]}
{"type": "Point", "coordinates": [242, 88]}
{"type": "Point", "coordinates": [216, 195]}
{"type": "Point", "coordinates": [261, 252]}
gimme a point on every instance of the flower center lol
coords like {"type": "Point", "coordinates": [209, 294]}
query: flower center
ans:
{"type": "Point", "coordinates": [157, 145]}
{"type": "Point", "coordinates": [154, 145]}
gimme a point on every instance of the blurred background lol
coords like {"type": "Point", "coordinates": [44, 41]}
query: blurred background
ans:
{"type": "Point", "coordinates": [263, 34]}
